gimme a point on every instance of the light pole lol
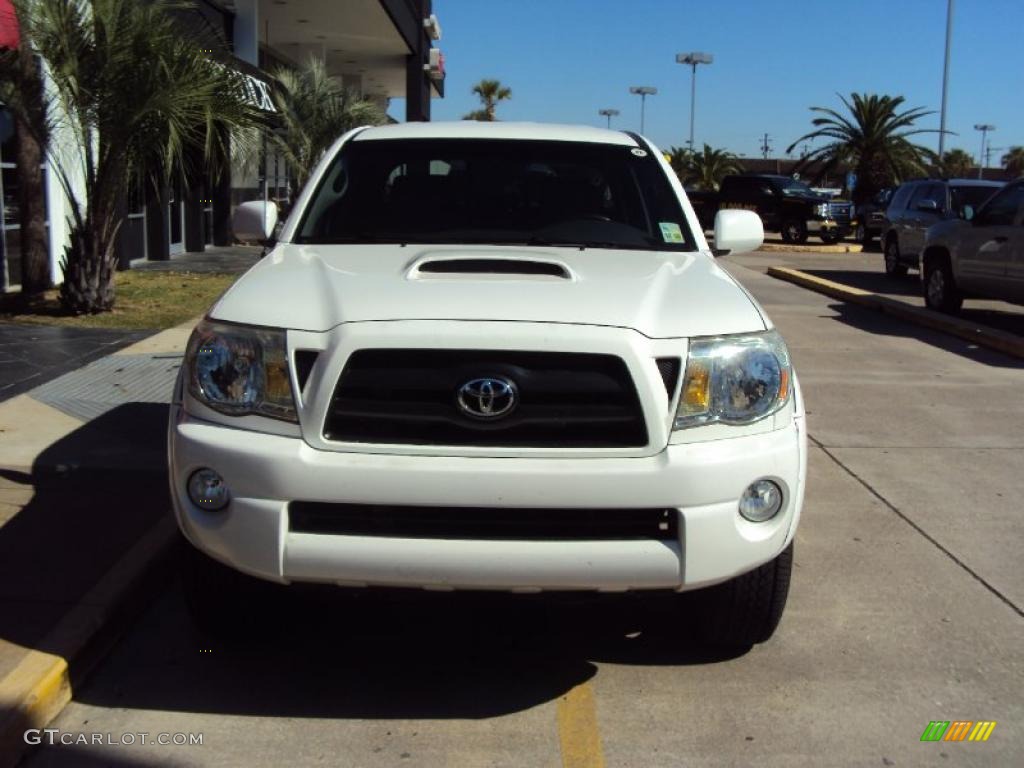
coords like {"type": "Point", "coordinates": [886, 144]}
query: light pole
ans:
{"type": "Point", "coordinates": [984, 128]}
{"type": "Point", "coordinates": [643, 91]}
{"type": "Point", "coordinates": [693, 59]}
{"type": "Point", "coordinates": [609, 113]}
{"type": "Point", "coordinates": [945, 79]}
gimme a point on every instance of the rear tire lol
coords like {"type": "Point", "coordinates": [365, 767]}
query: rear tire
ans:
{"type": "Point", "coordinates": [830, 238]}
{"type": "Point", "coordinates": [939, 286]}
{"type": "Point", "coordinates": [893, 266]}
{"type": "Point", "coordinates": [747, 609]}
{"type": "Point", "coordinates": [794, 231]}
{"type": "Point", "coordinates": [860, 235]}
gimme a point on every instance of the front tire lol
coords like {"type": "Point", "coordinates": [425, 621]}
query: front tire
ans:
{"type": "Point", "coordinates": [939, 287]}
{"type": "Point", "coordinates": [794, 231]}
{"type": "Point", "coordinates": [830, 238]}
{"type": "Point", "coordinates": [224, 602]}
{"type": "Point", "coordinates": [747, 609]}
{"type": "Point", "coordinates": [893, 266]}
{"type": "Point", "coordinates": [860, 235]}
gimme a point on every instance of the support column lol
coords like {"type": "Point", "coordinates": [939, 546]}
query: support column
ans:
{"type": "Point", "coordinates": [157, 230]}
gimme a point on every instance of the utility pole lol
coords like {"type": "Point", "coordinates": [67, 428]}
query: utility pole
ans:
{"type": "Point", "coordinates": [610, 113]}
{"type": "Point", "coordinates": [766, 147]}
{"type": "Point", "coordinates": [984, 128]}
{"type": "Point", "coordinates": [945, 79]}
{"type": "Point", "coordinates": [693, 59]}
{"type": "Point", "coordinates": [643, 91]}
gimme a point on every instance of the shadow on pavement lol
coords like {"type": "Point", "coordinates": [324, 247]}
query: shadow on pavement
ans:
{"type": "Point", "coordinates": [389, 654]}
{"type": "Point", "coordinates": [85, 513]}
{"type": "Point", "coordinates": [875, 322]}
{"type": "Point", "coordinates": [995, 314]}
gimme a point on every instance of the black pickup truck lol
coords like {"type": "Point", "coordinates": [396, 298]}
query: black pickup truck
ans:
{"type": "Point", "coordinates": [784, 204]}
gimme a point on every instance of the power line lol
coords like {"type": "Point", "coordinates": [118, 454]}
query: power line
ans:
{"type": "Point", "coordinates": [766, 146]}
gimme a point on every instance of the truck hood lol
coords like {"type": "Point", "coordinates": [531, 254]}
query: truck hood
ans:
{"type": "Point", "coordinates": [659, 294]}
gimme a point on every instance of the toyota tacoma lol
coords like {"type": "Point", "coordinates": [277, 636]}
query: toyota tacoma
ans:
{"type": "Point", "coordinates": [493, 357]}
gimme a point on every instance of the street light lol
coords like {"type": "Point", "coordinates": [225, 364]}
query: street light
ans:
{"type": "Point", "coordinates": [945, 79]}
{"type": "Point", "coordinates": [984, 128]}
{"type": "Point", "coordinates": [609, 113]}
{"type": "Point", "coordinates": [643, 91]}
{"type": "Point", "coordinates": [693, 59]}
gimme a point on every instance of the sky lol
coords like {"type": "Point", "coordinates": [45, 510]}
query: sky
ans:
{"type": "Point", "coordinates": [773, 60]}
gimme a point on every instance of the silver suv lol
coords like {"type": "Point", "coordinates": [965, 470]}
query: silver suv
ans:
{"type": "Point", "coordinates": [981, 255]}
{"type": "Point", "coordinates": [919, 204]}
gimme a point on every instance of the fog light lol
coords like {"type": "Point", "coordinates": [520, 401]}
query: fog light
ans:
{"type": "Point", "coordinates": [761, 501]}
{"type": "Point", "coordinates": [207, 490]}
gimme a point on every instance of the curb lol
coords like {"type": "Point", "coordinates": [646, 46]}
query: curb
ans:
{"type": "Point", "coordinates": [35, 692]}
{"type": "Point", "coordinates": [983, 335]}
{"type": "Point", "coordinates": [819, 248]}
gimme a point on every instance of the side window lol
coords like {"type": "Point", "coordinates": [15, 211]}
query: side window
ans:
{"type": "Point", "coordinates": [936, 193]}
{"type": "Point", "coordinates": [1005, 209]}
{"type": "Point", "coordinates": [902, 196]}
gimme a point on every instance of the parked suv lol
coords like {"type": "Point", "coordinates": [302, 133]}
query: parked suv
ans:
{"type": "Point", "coordinates": [982, 255]}
{"type": "Point", "coordinates": [492, 356]}
{"type": "Point", "coordinates": [916, 206]}
{"type": "Point", "coordinates": [870, 217]}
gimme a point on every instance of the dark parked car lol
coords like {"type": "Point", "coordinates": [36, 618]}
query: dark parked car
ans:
{"type": "Point", "coordinates": [919, 204]}
{"type": "Point", "coordinates": [980, 255]}
{"type": "Point", "coordinates": [784, 204]}
{"type": "Point", "coordinates": [871, 215]}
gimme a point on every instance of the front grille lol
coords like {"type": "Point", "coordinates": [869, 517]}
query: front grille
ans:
{"type": "Point", "coordinates": [841, 213]}
{"type": "Point", "coordinates": [482, 523]}
{"type": "Point", "coordinates": [409, 397]}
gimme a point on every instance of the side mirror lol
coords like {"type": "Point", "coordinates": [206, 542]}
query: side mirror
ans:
{"type": "Point", "coordinates": [967, 213]}
{"type": "Point", "coordinates": [254, 221]}
{"type": "Point", "coordinates": [930, 206]}
{"type": "Point", "coordinates": [737, 231]}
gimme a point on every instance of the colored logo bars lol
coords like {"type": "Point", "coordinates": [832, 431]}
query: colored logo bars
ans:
{"type": "Point", "coordinates": [958, 730]}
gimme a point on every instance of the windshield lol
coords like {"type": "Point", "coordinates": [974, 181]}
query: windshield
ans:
{"type": "Point", "coordinates": [797, 189]}
{"type": "Point", "coordinates": [462, 191]}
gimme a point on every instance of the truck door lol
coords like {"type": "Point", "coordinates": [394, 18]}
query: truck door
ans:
{"type": "Point", "coordinates": [927, 206]}
{"type": "Point", "coordinates": [991, 252]}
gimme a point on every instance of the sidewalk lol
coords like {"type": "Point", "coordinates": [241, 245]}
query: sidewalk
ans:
{"type": "Point", "coordinates": [84, 513]}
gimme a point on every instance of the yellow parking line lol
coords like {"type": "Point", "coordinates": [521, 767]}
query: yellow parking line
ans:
{"type": "Point", "coordinates": [577, 729]}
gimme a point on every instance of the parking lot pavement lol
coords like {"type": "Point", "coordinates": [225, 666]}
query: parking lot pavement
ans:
{"type": "Point", "coordinates": [905, 608]}
{"type": "Point", "coordinates": [866, 272]}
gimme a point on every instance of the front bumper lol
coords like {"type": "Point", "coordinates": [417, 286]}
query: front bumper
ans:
{"type": "Point", "coordinates": [702, 481]}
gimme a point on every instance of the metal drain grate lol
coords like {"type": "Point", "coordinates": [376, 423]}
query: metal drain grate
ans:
{"type": "Point", "coordinates": [109, 382]}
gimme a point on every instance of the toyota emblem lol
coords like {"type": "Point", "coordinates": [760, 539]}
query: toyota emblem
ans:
{"type": "Point", "coordinates": [487, 398]}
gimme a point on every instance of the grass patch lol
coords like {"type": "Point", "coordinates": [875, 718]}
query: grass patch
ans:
{"type": "Point", "coordinates": [142, 300]}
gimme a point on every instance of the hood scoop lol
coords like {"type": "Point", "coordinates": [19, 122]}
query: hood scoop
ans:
{"type": "Point", "coordinates": [488, 268]}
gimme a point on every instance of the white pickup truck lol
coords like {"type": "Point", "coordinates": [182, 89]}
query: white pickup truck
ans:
{"type": "Point", "coordinates": [492, 356]}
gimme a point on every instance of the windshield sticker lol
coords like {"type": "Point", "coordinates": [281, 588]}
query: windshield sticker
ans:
{"type": "Point", "coordinates": [670, 232]}
{"type": "Point", "coordinates": [639, 152]}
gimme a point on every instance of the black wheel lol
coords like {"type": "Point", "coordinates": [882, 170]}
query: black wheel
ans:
{"type": "Point", "coordinates": [225, 602]}
{"type": "Point", "coordinates": [939, 286]}
{"type": "Point", "coordinates": [893, 266]}
{"type": "Point", "coordinates": [745, 610]}
{"type": "Point", "coordinates": [794, 231]}
{"type": "Point", "coordinates": [860, 235]}
{"type": "Point", "coordinates": [830, 238]}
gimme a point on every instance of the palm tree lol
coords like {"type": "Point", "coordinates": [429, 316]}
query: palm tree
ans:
{"type": "Point", "coordinates": [315, 110]}
{"type": "Point", "coordinates": [956, 164]}
{"type": "Point", "coordinates": [139, 100]}
{"type": "Point", "coordinates": [874, 139]}
{"type": "Point", "coordinates": [1013, 162]}
{"type": "Point", "coordinates": [679, 159]}
{"type": "Point", "coordinates": [490, 93]}
{"type": "Point", "coordinates": [707, 168]}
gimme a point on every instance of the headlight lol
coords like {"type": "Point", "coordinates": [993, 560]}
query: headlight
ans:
{"type": "Point", "coordinates": [734, 380]}
{"type": "Point", "coordinates": [822, 210]}
{"type": "Point", "coordinates": [239, 370]}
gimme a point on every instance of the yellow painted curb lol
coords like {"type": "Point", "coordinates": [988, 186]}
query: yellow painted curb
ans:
{"type": "Point", "coordinates": [817, 248]}
{"type": "Point", "coordinates": [39, 687]}
{"type": "Point", "coordinates": [31, 695]}
{"type": "Point", "coordinates": [983, 335]}
{"type": "Point", "coordinates": [578, 734]}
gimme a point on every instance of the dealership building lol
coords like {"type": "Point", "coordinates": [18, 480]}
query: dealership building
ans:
{"type": "Point", "coordinates": [382, 49]}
